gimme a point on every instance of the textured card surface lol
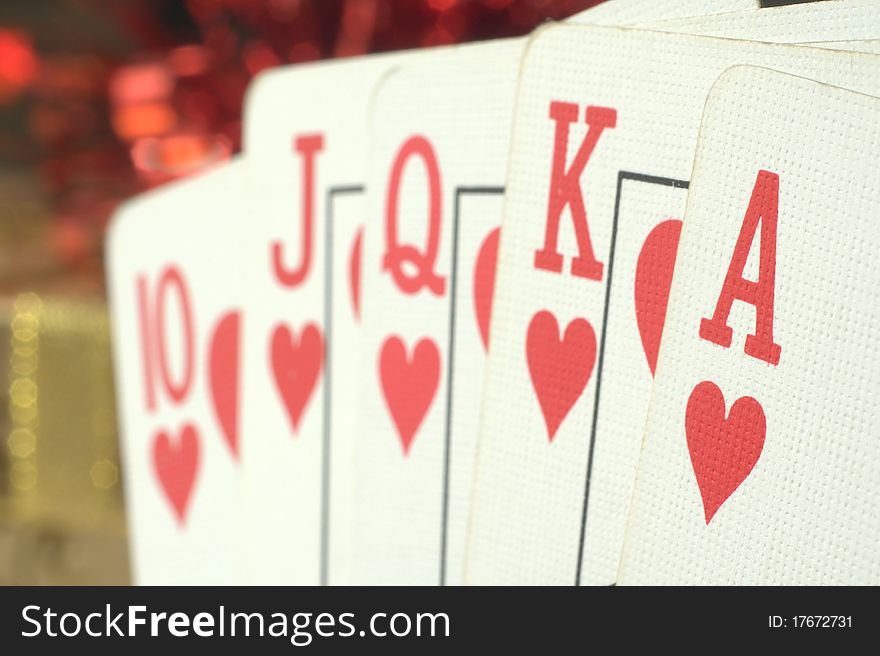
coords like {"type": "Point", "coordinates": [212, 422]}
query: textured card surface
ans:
{"type": "Point", "coordinates": [828, 20]}
{"type": "Point", "coordinates": [638, 12]}
{"type": "Point", "coordinates": [175, 297]}
{"type": "Point", "coordinates": [604, 136]}
{"type": "Point", "coordinates": [762, 453]}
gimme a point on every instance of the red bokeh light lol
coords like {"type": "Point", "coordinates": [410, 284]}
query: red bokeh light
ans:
{"type": "Point", "coordinates": [187, 61]}
{"type": "Point", "coordinates": [259, 56]}
{"type": "Point", "coordinates": [159, 160]}
{"type": "Point", "coordinates": [18, 63]}
{"type": "Point", "coordinates": [141, 83]}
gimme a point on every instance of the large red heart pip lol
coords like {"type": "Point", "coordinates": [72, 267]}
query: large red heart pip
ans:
{"type": "Point", "coordinates": [223, 376]}
{"type": "Point", "coordinates": [409, 386]}
{"type": "Point", "coordinates": [484, 283]}
{"type": "Point", "coordinates": [723, 450]}
{"type": "Point", "coordinates": [654, 270]}
{"type": "Point", "coordinates": [560, 369]}
{"type": "Point", "coordinates": [175, 465]}
{"type": "Point", "coordinates": [296, 365]}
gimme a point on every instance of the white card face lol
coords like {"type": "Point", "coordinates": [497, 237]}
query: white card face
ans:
{"type": "Point", "coordinates": [761, 458]}
{"type": "Point", "coordinates": [175, 299]}
{"type": "Point", "coordinates": [438, 158]}
{"type": "Point", "coordinates": [829, 20]}
{"type": "Point", "coordinates": [638, 12]}
{"type": "Point", "coordinates": [305, 135]}
{"type": "Point", "coordinates": [604, 136]}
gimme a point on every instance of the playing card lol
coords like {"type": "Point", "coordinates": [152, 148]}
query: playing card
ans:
{"type": "Point", "coordinates": [829, 20]}
{"type": "Point", "coordinates": [305, 136]}
{"type": "Point", "coordinates": [175, 304]}
{"type": "Point", "coordinates": [438, 157]}
{"type": "Point", "coordinates": [762, 453]}
{"type": "Point", "coordinates": [600, 161]}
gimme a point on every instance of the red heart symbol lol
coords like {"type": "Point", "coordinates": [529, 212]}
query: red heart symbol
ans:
{"type": "Point", "coordinates": [484, 283]}
{"type": "Point", "coordinates": [409, 386]}
{"type": "Point", "coordinates": [654, 270]}
{"type": "Point", "coordinates": [296, 367]}
{"type": "Point", "coordinates": [223, 376]}
{"type": "Point", "coordinates": [354, 273]}
{"type": "Point", "coordinates": [176, 465]}
{"type": "Point", "coordinates": [723, 451]}
{"type": "Point", "coordinates": [560, 370]}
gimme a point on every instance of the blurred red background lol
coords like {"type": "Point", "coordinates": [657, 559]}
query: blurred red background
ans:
{"type": "Point", "coordinates": [100, 99]}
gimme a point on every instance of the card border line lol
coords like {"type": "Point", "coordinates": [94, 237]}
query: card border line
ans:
{"type": "Point", "coordinates": [450, 355]}
{"type": "Point", "coordinates": [332, 192]}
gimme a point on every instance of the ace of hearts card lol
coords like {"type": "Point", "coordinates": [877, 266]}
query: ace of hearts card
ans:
{"type": "Point", "coordinates": [761, 455]}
